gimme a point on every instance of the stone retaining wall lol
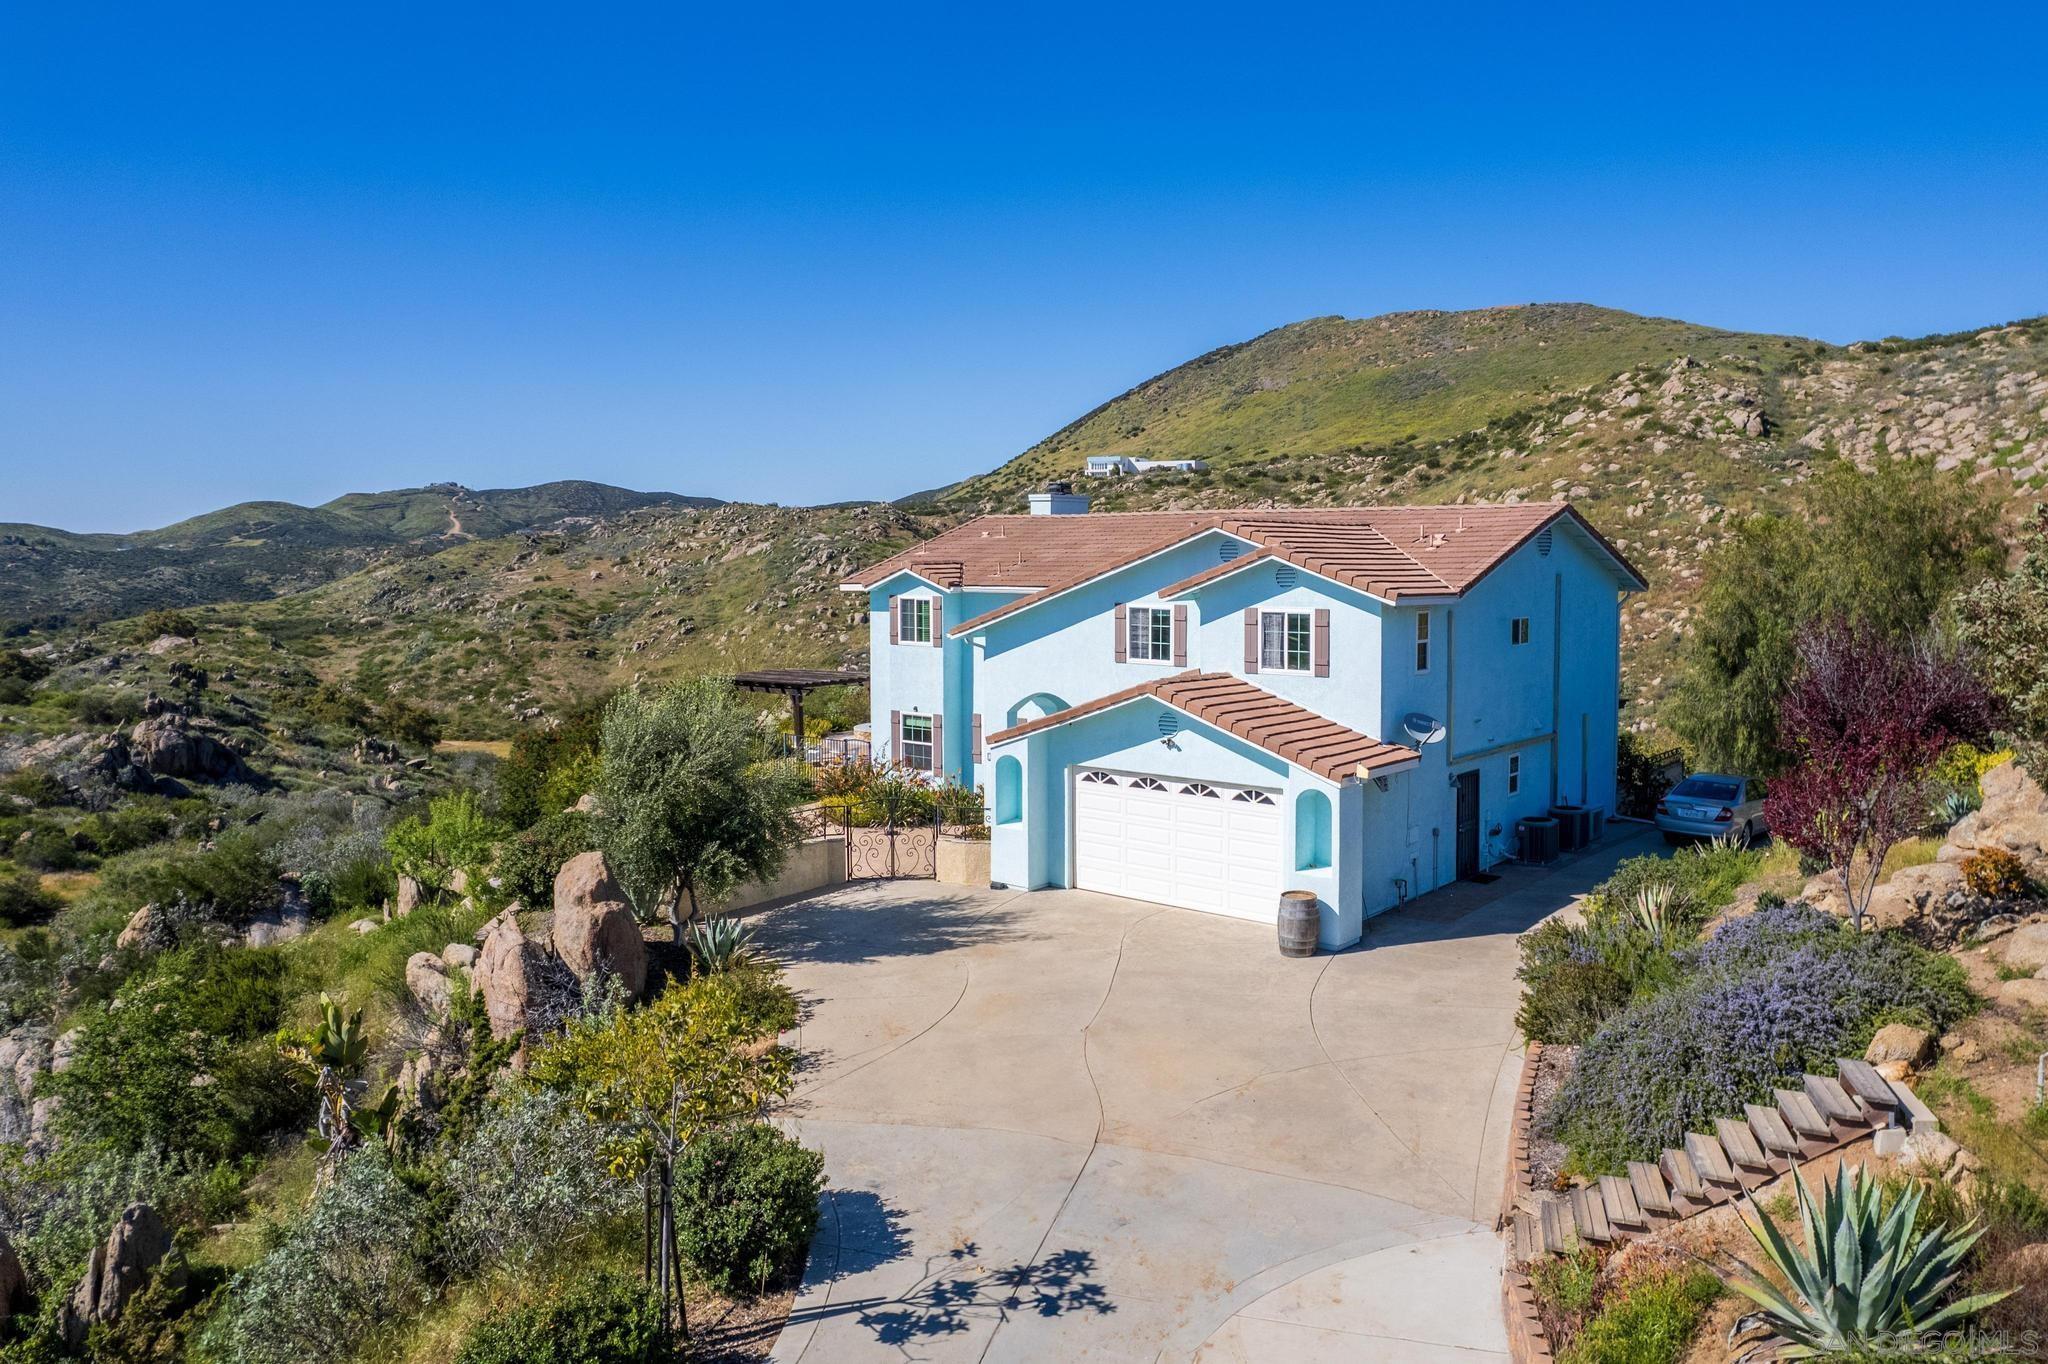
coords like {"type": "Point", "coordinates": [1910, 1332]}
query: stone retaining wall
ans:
{"type": "Point", "coordinates": [814, 864]}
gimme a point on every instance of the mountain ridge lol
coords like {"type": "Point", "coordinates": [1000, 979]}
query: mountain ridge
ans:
{"type": "Point", "coordinates": [1663, 433]}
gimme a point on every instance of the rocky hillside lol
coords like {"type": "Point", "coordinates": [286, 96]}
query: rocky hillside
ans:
{"type": "Point", "coordinates": [1664, 451]}
{"type": "Point", "coordinates": [261, 549]}
{"type": "Point", "coordinates": [495, 634]}
{"type": "Point", "coordinates": [1664, 432]}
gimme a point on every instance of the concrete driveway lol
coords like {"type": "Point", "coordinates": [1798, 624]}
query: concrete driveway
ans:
{"type": "Point", "coordinates": [1061, 1125]}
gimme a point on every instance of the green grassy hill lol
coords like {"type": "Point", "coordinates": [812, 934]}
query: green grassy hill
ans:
{"type": "Point", "coordinates": [261, 549]}
{"type": "Point", "coordinates": [1334, 384]}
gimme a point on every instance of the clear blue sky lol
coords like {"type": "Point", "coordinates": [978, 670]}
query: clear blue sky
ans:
{"type": "Point", "coordinates": [289, 251]}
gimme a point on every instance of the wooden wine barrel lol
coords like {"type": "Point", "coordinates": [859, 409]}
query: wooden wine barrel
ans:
{"type": "Point", "coordinates": [1301, 922]}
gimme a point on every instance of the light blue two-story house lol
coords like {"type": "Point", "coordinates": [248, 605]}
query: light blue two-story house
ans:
{"type": "Point", "coordinates": [1207, 708]}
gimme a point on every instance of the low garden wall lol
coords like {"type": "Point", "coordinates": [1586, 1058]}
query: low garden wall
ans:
{"type": "Point", "coordinates": [814, 864]}
{"type": "Point", "coordinates": [962, 861]}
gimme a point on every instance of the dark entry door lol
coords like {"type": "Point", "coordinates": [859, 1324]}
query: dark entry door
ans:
{"type": "Point", "coordinates": [1468, 824]}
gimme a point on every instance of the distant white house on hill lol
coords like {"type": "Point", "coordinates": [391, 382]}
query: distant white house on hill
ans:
{"type": "Point", "coordinates": [1112, 466]}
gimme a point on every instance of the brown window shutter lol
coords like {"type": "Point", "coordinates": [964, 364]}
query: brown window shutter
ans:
{"type": "Point", "coordinates": [896, 736]}
{"type": "Point", "coordinates": [938, 744]}
{"type": "Point", "coordinates": [1251, 639]}
{"type": "Point", "coordinates": [895, 620]}
{"type": "Point", "coordinates": [938, 622]}
{"type": "Point", "coordinates": [974, 741]}
{"type": "Point", "coordinates": [1123, 634]}
{"type": "Point", "coordinates": [1320, 641]}
{"type": "Point", "coordinates": [1180, 636]}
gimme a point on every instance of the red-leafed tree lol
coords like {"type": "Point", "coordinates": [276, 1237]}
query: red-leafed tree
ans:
{"type": "Point", "coordinates": [1866, 716]}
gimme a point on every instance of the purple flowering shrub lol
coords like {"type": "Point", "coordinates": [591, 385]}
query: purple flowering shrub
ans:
{"type": "Point", "coordinates": [1784, 991]}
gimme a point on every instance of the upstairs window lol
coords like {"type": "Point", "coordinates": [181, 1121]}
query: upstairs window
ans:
{"type": "Point", "coordinates": [1149, 631]}
{"type": "Point", "coordinates": [914, 745]}
{"type": "Point", "coordinates": [1422, 641]}
{"type": "Point", "coordinates": [1518, 630]}
{"type": "Point", "coordinates": [1514, 773]}
{"type": "Point", "coordinates": [1284, 642]}
{"type": "Point", "coordinates": [914, 620]}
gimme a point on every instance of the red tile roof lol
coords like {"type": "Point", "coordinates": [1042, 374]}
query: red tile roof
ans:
{"type": "Point", "coordinates": [1390, 552]}
{"type": "Point", "coordinates": [1038, 551]}
{"type": "Point", "coordinates": [1253, 714]}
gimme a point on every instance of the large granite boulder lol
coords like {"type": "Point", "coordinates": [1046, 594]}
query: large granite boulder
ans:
{"type": "Point", "coordinates": [507, 967]}
{"type": "Point", "coordinates": [427, 977]}
{"type": "Point", "coordinates": [410, 894]}
{"type": "Point", "coordinates": [2026, 947]}
{"type": "Point", "coordinates": [287, 922]}
{"type": "Point", "coordinates": [117, 1271]}
{"type": "Point", "coordinates": [171, 745]}
{"type": "Point", "coordinates": [2014, 817]}
{"type": "Point", "coordinates": [594, 929]}
{"type": "Point", "coordinates": [1913, 893]}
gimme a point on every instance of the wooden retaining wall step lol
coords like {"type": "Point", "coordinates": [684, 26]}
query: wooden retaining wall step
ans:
{"type": "Point", "coordinates": [1740, 1144]}
{"type": "Point", "coordinates": [1862, 1080]}
{"type": "Point", "coordinates": [1682, 1174]}
{"type": "Point", "coordinates": [1622, 1208]}
{"type": "Point", "coordinates": [1823, 1114]}
{"type": "Point", "coordinates": [1710, 1159]}
{"type": "Point", "coordinates": [1832, 1100]}
{"type": "Point", "coordinates": [1589, 1210]}
{"type": "Point", "coordinates": [1648, 1183]}
{"type": "Point", "coordinates": [1771, 1130]}
{"type": "Point", "coordinates": [1801, 1116]}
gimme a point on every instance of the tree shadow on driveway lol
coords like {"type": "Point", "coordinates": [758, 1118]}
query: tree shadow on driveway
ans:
{"type": "Point", "coordinates": [956, 1295]}
{"type": "Point", "coordinates": [876, 921]}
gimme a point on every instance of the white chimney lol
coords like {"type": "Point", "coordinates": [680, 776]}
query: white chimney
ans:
{"type": "Point", "coordinates": [1058, 499]}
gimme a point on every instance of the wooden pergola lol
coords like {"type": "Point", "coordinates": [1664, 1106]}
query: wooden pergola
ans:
{"type": "Point", "coordinates": [797, 683]}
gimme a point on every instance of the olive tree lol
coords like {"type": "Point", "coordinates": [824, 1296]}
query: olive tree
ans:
{"type": "Point", "coordinates": [687, 810]}
{"type": "Point", "coordinates": [654, 1079]}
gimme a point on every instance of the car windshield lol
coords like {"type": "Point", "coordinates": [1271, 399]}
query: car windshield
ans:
{"type": "Point", "coordinates": [1707, 788]}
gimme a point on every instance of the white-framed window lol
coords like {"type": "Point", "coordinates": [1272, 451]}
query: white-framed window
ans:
{"type": "Point", "coordinates": [1518, 630]}
{"type": "Point", "coordinates": [1149, 631]}
{"type": "Point", "coordinates": [1514, 773]}
{"type": "Point", "coordinates": [914, 620]}
{"type": "Point", "coordinates": [1422, 641]}
{"type": "Point", "coordinates": [1284, 641]}
{"type": "Point", "coordinates": [914, 744]}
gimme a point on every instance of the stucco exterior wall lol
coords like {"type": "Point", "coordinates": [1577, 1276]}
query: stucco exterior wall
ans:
{"type": "Point", "coordinates": [1550, 705]}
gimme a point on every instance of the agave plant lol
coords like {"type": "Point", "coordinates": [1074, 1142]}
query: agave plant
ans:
{"type": "Point", "coordinates": [1953, 806]}
{"type": "Point", "coordinates": [721, 944]}
{"type": "Point", "coordinates": [1652, 908]}
{"type": "Point", "coordinates": [1862, 1279]}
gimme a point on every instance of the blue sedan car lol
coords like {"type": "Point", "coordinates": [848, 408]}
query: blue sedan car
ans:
{"type": "Point", "coordinates": [1709, 805]}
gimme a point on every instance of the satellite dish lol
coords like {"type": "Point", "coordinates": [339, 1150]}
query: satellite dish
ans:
{"type": "Point", "coordinates": [1423, 729]}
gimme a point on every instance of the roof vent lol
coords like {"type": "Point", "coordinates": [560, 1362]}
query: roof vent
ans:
{"type": "Point", "coordinates": [1228, 550]}
{"type": "Point", "coordinates": [1543, 542]}
{"type": "Point", "coordinates": [1284, 576]}
{"type": "Point", "coordinates": [1169, 725]}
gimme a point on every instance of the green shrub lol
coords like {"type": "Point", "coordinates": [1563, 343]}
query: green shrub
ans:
{"type": "Point", "coordinates": [47, 848]}
{"type": "Point", "coordinates": [746, 1204]}
{"type": "Point", "coordinates": [231, 880]}
{"type": "Point", "coordinates": [1567, 1002]}
{"type": "Point", "coordinates": [528, 861]}
{"type": "Point", "coordinates": [23, 899]}
{"type": "Point", "coordinates": [136, 823]}
{"type": "Point", "coordinates": [332, 1276]}
{"type": "Point", "coordinates": [33, 783]}
{"type": "Point", "coordinates": [595, 1318]}
{"type": "Point", "coordinates": [1650, 1319]}
{"type": "Point", "coordinates": [178, 1059]}
{"type": "Point", "coordinates": [454, 835]}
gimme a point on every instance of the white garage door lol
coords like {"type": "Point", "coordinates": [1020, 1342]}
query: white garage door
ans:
{"type": "Point", "coordinates": [1192, 844]}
